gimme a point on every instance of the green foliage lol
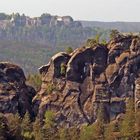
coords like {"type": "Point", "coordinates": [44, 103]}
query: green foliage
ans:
{"type": "Point", "coordinates": [49, 119]}
{"type": "Point", "coordinates": [29, 55]}
{"type": "Point", "coordinates": [99, 125]}
{"type": "Point", "coordinates": [35, 44]}
{"type": "Point", "coordinates": [49, 131]}
{"type": "Point", "coordinates": [4, 16]}
{"type": "Point", "coordinates": [111, 131]}
{"type": "Point", "coordinates": [64, 134]}
{"type": "Point", "coordinates": [14, 125]}
{"type": "Point", "coordinates": [26, 127]}
{"type": "Point", "coordinates": [69, 50]}
{"type": "Point", "coordinates": [88, 132]}
{"type": "Point", "coordinates": [128, 128]}
{"type": "Point", "coordinates": [99, 130]}
{"type": "Point", "coordinates": [97, 38]}
{"type": "Point", "coordinates": [34, 80]}
{"type": "Point", "coordinates": [95, 131]}
{"type": "Point", "coordinates": [91, 43]}
{"type": "Point", "coordinates": [137, 124]}
{"type": "Point", "coordinates": [63, 69]}
{"type": "Point", "coordinates": [104, 42]}
{"type": "Point", "coordinates": [128, 124]}
{"type": "Point", "coordinates": [74, 133]}
{"type": "Point", "coordinates": [37, 130]}
{"type": "Point", "coordinates": [114, 34]}
{"type": "Point", "coordinates": [69, 133]}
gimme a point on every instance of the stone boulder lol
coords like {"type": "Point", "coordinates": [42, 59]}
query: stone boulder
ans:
{"type": "Point", "coordinates": [15, 95]}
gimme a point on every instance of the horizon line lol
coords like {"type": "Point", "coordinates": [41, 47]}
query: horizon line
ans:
{"type": "Point", "coordinates": [87, 20]}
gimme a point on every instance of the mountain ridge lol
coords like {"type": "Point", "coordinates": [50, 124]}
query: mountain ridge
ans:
{"type": "Point", "coordinates": [122, 26]}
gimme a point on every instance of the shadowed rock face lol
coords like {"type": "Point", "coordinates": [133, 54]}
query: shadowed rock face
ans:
{"type": "Point", "coordinates": [106, 75]}
{"type": "Point", "coordinates": [15, 95]}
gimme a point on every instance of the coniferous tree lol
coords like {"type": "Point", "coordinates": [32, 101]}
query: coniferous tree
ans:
{"type": "Point", "coordinates": [49, 119]}
{"type": "Point", "coordinates": [99, 125]}
{"type": "Point", "coordinates": [74, 134]}
{"type": "Point", "coordinates": [14, 125]}
{"type": "Point", "coordinates": [34, 80]}
{"type": "Point", "coordinates": [97, 38]}
{"type": "Point", "coordinates": [37, 130]}
{"type": "Point", "coordinates": [128, 124]}
{"type": "Point", "coordinates": [63, 69]}
{"type": "Point", "coordinates": [114, 34]}
{"type": "Point", "coordinates": [104, 42]}
{"type": "Point", "coordinates": [26, 127]}
{"type": "Point", "coordinates": [64, 134]}
{"type": "Point", "coordinates": [137, 126]}
{"type": "Point", "coordinates": [88, 132]}
{"type": "Point", "coordinates": [96, 130]}
{"type": "Point", "coordinates": [111, 132]}
{"type": "Point", "coordinates": [69, 50]}
{"type": "Point", "coordinates": [49, 131]}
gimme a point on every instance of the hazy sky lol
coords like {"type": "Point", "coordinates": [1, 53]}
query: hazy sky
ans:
{"type": "Point", "coordinates": [101, 10]}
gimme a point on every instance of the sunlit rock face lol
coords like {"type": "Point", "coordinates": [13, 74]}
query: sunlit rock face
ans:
{"type": "Point", "coordinates": [15, 95]}
{"type": "Point", "coordinates": [104, 75]}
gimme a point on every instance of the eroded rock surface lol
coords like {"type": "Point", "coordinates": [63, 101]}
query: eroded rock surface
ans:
{"type": "Point", "coordinates": [106, 75]}
{"type": "Point", "coordinates": [15, 95]}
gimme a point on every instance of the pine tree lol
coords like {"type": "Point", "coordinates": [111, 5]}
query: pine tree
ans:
{"type": "Point", "coordinates": [97, 38]}
{"type": "Point", "coordinates": [34, 80]}
{"type": "Point", "coordinates": [128, 124]}
{"type": "Point", "coordinates": [14, 125]}
{"type": "Point", "coordinates": [63, 69]}
{"type": "Point", "coordinates": [114, 34]}
{"type": "Point", "coordinates": [26, 127]}
{"type": "Point", "coordinates": [49, 119]}
{"type": "Point", "coordinates": [99, 130]}
{"type": "Point", "coordinates": [88, 132]}
{"type": "Point", "coordinates": [138, 124]}
{"type": "Point", "coordinates": [74, 134]}
{"type": "Point", "coordinates": [69, 50]}
{"type": "Point", "coordinates": [104, 42]}
{"type": "Point", "coordinates": [64, 134]}
{"type": "Point", "coordinates": [96, 130]}
{"type": "Point", "coordinates": [49, 131]}
{"type": "Point", "coordinates": [37, 130]}
{"type": "Point", "coordinates": [110, 131]}
{"type": "Point", "coordinates": [99, 125]}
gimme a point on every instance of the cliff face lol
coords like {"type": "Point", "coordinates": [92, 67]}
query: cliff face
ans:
{"type": "Point", "coordinates": [15, 95]}
{"type": "Point", "coordinates": [45, 19]}
{"type": "Point", "coordinates": [75, 86]}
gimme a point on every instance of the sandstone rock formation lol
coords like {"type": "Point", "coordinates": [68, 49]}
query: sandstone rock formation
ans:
{"type": "Point", "coordinates": [104, 75]}
{"type": "Point", "coordinates": [45, 19]}
{"type": "Point", "coordinates": [15, 95]}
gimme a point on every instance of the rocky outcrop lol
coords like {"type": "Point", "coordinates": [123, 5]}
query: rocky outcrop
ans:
{"type": "Point", "coordinates": [45, 19]}
{"type": "Point", "coordinates": [15, 95]}
{"type": "Point", "coordinates": [137, 92]}
{"type": "Point", "coordinates": [104, 75]}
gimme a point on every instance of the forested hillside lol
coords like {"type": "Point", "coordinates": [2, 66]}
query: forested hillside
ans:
{"type": "Point", "coordinates": [31, 41]}
{"type": "Point", "coordinates": [121, 26]}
